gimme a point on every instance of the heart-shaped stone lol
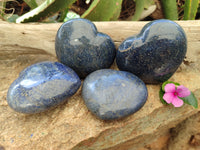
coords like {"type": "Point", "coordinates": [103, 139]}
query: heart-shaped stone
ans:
{"type": "Point", "coordinates": [156, 53]}
{"type": "Point", "coordinates": [81, 47]}
{"type": "Point", "coordinates": [112, 94]}
{"type": "Point", "coordinates": [42, 86]}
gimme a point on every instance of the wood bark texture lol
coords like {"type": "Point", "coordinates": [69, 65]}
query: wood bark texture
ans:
{"type": "Point", "coordinates": [71, 125]}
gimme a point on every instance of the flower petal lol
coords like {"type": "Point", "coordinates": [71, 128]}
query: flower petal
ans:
{"type": "Point", "coordinates": [170, 88]}
{"type": "Point", "coordinates": [177, 102]}
{"type": "Point", "coordinates": [168, 97]}
{"type": "Point", "coordinates": [183, 91]}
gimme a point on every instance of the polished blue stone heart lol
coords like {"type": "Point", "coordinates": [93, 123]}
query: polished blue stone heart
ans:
{"type": "Point", "coordinates": [111, 94]}
{"type": "Point", "coordinates": [42, 86]}
{"type": "Point", "coordinates": [156, 53]}
{"type": "Point", "coordinates": [81, 47]}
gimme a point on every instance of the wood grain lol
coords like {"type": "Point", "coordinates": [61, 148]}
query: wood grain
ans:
{"type": "Point", "coordinates": [71, 125]}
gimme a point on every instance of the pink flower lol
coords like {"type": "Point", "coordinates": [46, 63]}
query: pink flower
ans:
{"type": "Point", "coordinates": [172, 94]}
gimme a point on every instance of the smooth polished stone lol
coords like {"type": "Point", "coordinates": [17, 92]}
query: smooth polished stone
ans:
{"type": "Point", "coordinates": [112, 94]}
{"type": "Point", "coordinates": [156, 53]}
{"type": "Point", "coordinates": [42, 86]}
{"type": "Point", "coordinates": [81, 47]}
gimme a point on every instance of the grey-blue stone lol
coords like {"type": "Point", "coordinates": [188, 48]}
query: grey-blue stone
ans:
{"type": "Point", "coordinates": [156, 53]}
{"type": "Point", "coordinates": [112, 94]}
{"type": "Point", "coordinates": [81, 47]}
{"type": "Point", "coordinates": [42, 86]}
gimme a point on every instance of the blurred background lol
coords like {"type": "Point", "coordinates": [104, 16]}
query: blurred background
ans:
{"type": "Point", "coordinates": [50, 11]}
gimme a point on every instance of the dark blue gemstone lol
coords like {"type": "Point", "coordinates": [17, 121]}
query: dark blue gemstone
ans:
{"type": "Point", "coordinates": [42, 86]}
{"type": "Point", "coordinates": [156, 53]}
{"type": "Point", "coordinates": [81, 47]}
{"type": "Point", "coordinates": [111, 94]}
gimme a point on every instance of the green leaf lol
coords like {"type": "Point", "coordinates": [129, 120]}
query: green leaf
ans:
{"type": "Point", "coordinates": [2, 8]}
{"type": "Point", "coordinates": [63, 14]}
{"type": "Point", "coordinates": [90, 9]}
{"type": "Point", "coordinates": [39, 2]}
{"type": "Point", "coordinates": [31, 3]}
{"type": "Point", "coordinates": [170, 9]}
{"type": "Point", "coordinates": [116, 14]}
{"type": "Point", "coordinates": [166, 82]}
{"type": "Point", "coordinates": [161, 93]}
{"type": "Point", "coordinates": [190, 9]}
{"type": "Point", "coordinates": [148, 3]}
{"type": "Point", "coordinates": [139, 9]}
{"type": "Point", "coordinates": [191, 100]}
{"type": "Point", "coordinates": [141, 5]}
{"type": "Point", "coordinates": [103, 10]}
{"type": "Point", "coordinates": [46, 9]}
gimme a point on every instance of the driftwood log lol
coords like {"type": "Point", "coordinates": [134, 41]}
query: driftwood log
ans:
{"type": "Point", "coordinates": [71, 125]}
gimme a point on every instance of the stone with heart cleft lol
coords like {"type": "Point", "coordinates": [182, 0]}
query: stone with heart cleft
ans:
{"type": "Point", "coordinates": [81, 47]}
{"type": "Point", "coordinates": [42, 86]}
{"type": "Point", "coordinates": [155, 54]}
{"type": "Point", "coordinates": [111, 94]}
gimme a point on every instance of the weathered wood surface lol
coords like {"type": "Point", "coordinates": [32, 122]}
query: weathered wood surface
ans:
{"type": "Point", "coordinates": [71, 125]}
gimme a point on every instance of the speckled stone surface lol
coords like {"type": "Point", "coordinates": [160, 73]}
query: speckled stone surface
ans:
{"type": "Point", "coordinates": [154, 54]}
{"type": "Point", "coordinates": [42, 86]}
{"type": "Point", "coordinates": [112, 94]}
{"type": "Point", "coordinates": [81, 47]}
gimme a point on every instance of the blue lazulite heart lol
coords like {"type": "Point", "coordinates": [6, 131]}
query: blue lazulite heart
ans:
{"type": "Point", "coordinates": [156, 53]}
{"type": "Point", "coordinates": [42, 86]}
{"type": "Point", "coordinates": [112, 94]}
{"type": "Point", "coordinates": [81, 47]}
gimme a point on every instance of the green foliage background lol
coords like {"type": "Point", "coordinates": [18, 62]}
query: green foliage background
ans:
{"type": "Point", "coordinates": [98, 10]}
